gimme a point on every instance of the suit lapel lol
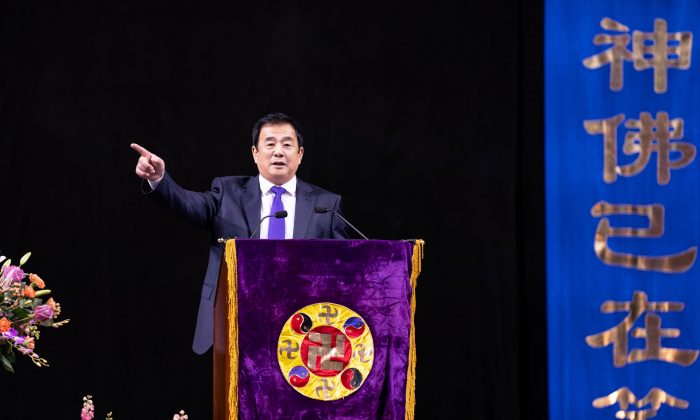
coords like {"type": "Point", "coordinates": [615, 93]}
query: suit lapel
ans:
{"type": "Point", "coordinates": [252, 203]}
{"type": "Point", "coordinates": [303, 211]}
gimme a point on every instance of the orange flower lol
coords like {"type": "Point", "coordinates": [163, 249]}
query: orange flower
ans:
{"type": "Point", "coordinates": [29, 343]}
{"type": "Point", "coordinates": [51, 303]}
{"type": "Point", "coordinates": [4, 325]}
{"type": "Point", "coordinates": [29, 292]}
{"type": "Point", "coordinates": [37, 280]}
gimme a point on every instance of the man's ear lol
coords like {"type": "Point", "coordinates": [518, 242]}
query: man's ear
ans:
{"type": "Point", "coordinates": [254, 152]}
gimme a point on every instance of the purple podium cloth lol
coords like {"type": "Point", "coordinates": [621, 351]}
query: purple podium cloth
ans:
{"type": "Point", "coordinates": [276, 278]}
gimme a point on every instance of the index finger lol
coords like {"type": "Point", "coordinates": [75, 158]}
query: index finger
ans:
{"type": "Point", "coordinates": [140, 150]}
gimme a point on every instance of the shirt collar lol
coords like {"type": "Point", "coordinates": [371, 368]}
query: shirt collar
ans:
{"type": "Point", "coordinates": [290, 186]}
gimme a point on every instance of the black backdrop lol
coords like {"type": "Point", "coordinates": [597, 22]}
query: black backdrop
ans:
{"type": "Point", "coordinates": [427, 118]}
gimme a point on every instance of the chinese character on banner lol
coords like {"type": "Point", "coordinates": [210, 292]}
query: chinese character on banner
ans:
{"type": "Point", "coordinates": [659, 50]}
{"type": "Point", "coordinates": [625, 398]}
{"type": "Point", "coordinates": [646, 136]}
{"type": "Point", "coordinates": [652, 332]}
{"type": "Point", "coordinates": [675, 263]}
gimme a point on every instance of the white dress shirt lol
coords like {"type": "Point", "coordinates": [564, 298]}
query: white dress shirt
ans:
{"type": "Point", "coordinates": [289, 200]}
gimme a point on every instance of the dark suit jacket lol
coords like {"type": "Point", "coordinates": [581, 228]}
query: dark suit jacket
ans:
{"type": "Point", "coordinates": [231, 209]}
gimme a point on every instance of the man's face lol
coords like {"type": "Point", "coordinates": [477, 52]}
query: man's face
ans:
{"type": "Point", "coordinates": [277, 154]}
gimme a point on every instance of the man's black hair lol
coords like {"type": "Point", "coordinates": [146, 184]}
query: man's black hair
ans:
{"type": "Point", "coordinates": [273, 119]}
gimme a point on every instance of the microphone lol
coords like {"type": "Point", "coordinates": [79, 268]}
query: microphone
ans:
{"type": "Point", "coordinates": [278, 215]}
{"type": "Point", "coordinates": [323, 210]}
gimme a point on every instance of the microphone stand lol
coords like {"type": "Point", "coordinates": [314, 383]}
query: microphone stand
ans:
{"type": "Point", "coordinates": [325, 210]}
{"type": "Point", "coordinates": [278, 215]}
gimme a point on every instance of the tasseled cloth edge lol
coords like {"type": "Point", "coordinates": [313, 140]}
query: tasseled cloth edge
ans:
{"type": "Point", "coordinates": [416, 264]}
{"type": "Point", "coordinates": [232, 303]}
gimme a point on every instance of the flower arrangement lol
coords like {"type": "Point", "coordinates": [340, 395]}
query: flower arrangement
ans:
{"type": "Point", "coordinates": [180, 416]}
{"type": "Point", "coordinates": [88, 411]}
{"type": "Point", "coordinates": [23, 311]}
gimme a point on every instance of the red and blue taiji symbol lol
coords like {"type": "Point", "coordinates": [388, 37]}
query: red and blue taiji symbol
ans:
{"type": "Point", "coordinates": [351, 378]}
{"type": "Point", "coordinates": [301, 323]}
{"type": "Point", "coordinates": [354, 327]}
{"type": "Point", "coordinates": [299, 376]}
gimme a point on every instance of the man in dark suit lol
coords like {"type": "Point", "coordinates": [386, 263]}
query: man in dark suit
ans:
{"type": "Point", "coordinates": [235, 205]}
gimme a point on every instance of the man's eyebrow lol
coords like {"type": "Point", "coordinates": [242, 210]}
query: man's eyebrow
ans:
{"type": "Point", "coordinates": [285, 138]}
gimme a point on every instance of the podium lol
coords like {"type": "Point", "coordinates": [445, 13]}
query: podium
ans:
{"type": "Point", "coordinates": [316, 328]}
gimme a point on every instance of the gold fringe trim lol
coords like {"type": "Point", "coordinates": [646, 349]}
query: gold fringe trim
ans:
{"type": "Point", "coordinates": [232, 303]}
{"type": "Point", "coordinates": [416, 265]}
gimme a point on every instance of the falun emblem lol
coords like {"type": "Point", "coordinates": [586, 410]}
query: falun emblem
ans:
{"type": "Point", "coordinates": [325, 351]}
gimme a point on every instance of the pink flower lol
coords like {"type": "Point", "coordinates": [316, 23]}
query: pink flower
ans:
{"type": "Point", "coordinates": [43, 312]}
{"type": "Point", "coordinates": [86, 414]}
{"type": "Point", "coordinates": [88, 411]}
{"type": "Point", "coordinates": [13, 273]}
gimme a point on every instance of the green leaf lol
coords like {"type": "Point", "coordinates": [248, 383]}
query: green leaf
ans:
{"type": "Point", "coordinates": [24, 258]}
{"type": "Point", "coordinates": [7, 357]}
{"type": "Point", "coordinates": [7, 262]}
{"type": "Point", "coordinates": [6, 364]}
{"type": "Point", "coordinates": [2, 297]}
{"type": "Point", "coordinates": [8, 352]}
{"type": "Point", "coordinates": [20, 313]}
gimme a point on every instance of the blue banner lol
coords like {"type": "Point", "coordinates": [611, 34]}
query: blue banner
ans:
{"type": "Point", "coordinates": [623, 212]}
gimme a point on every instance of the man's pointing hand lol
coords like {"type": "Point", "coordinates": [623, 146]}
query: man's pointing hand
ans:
{"type": "Point", "coordinates": [149, 166]}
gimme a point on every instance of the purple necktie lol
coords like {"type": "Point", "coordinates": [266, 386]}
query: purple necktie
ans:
{"type": "Point", "coordinates": [276, 227]}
